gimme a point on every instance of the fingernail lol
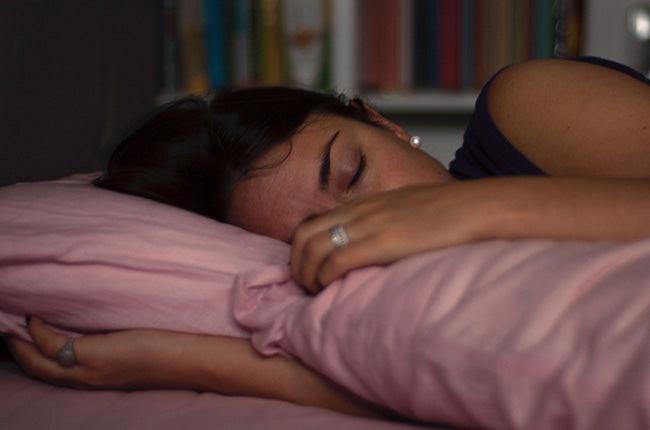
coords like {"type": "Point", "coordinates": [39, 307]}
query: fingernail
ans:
{"type": "Point", "coordinates": [28, 319]}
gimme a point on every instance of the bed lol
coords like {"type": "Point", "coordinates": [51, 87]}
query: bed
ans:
{"type": "Point", "coordinates": [531, 335]}
{"type": "Point", "coordinates": [29, 404]}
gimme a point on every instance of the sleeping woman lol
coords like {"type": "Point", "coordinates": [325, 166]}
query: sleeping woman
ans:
{"type": "Point", "coordinates": [556, 149]}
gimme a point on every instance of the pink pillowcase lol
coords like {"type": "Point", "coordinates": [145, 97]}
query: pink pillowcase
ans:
{"type": "Point", "coordinates": [501, 335]}
{"type": "Point", "coordinates": [88, 259]}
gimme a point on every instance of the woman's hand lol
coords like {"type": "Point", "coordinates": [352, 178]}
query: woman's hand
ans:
{"type": "Point", "coordinates": [386, 227]}
{"type": "Point", "coordinates": [126, 360]}
{"type": "Point", "coordinates": [144, 359]}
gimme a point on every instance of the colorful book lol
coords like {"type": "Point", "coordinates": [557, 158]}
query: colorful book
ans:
{"type": "Point", "coordinates": [194, 70]}
{"type": "Point", "coordinates": [544, 29]}
{"type": "Point", "coordinates": [426, 45]}
{"type": "Point", "coordinates": [500, 34]}
{"type": "Point", "coordinates": [379, 44]}
{"type": "Point", "coordinates": [467, 44]}
{"type": "Point", "coordinates": [216, 41]}
{"type": "Point", "coordinates": [241, 48]}
{"type": "Point", "coordinates": [271, 43]}
{"type": "Point", "coordinates": [303, 23]}
{"type": "Point", "coordinates": [344, 50]}
{"type": "Point", "coordinates": [449, 39]}
{"type": "Point", "coordinates": [482, 43]}
{"type": "Point", "coordinates": [389, 45]}
{"type": "Point", "coordinates": [325, 78]}
{"type": "Point", "coordinates": [568, 15]}
{"type": "Point", "coordinates": [521, 30]}
{"type": "Point", "coordinates": [406, 44]}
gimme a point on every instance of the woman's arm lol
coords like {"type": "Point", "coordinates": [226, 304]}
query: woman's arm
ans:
{"type": "Point", "coordinates": [584, 122]}
{"type": "Point", "coordinates": [572, 118]}
{"type": "Point", "coordinates": [145, 359]}
{"type": "Point", "coordinates": [392, 225]}
{"type": "Point", "coordinates": [613, 209]}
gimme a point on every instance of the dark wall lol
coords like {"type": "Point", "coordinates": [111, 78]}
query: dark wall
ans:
{"type": "Point", "coordinates": [73, 75]}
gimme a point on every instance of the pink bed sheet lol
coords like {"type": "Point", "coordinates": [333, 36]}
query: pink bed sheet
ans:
{"type": "Point", "coordinates": [28, 404]}
{"type": "Point", "coordinates": [500, 335]}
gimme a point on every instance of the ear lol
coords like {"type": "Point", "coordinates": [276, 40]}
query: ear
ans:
{"type": "Point", "coordinates": [388, 124]}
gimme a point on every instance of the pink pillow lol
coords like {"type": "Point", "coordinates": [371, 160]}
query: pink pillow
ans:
{"type": "Point", "coordinates": [499, 335]}
{"type": "Point", "coordinates": [88, 259]}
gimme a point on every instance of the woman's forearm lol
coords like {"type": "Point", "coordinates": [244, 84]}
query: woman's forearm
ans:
{"type": "Point", "coordinates": [563, 208]}
{"type": "Point", "coordinates": [231, 366]}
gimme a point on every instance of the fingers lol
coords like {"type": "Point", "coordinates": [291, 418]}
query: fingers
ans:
{"type": "Point", "coordinates": [39, 366]}
{"type": "Point", "coordinates": [315, 252]}
{"type": "Point", "coordinates": [46, 340]}
{"type": "Point", "coordinates": [322, 262]}
{"type": "Point", "coordinates": [312, 241]}
{"type": "Point", "coordinates": [305, 246]}
{"type": "Point", "coordinates": [360, 253]}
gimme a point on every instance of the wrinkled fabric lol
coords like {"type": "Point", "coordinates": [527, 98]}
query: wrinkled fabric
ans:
{"type": "Point", "coordinates": [497, 335]}
{"type": "Point", "coordinates": [87, 260]}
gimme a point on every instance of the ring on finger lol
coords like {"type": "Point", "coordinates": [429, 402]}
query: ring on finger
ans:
{"type": "Point", "coordinates": [339, 236]}
{"type": "Point", "coordinates": [66, 356]}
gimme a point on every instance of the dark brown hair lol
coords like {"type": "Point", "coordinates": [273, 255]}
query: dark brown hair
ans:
{"type": "Point", "coordinates": [192, 152]}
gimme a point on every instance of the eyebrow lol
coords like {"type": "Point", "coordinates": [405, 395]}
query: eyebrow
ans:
{"type": "Point", "coordinates": [324, 177]}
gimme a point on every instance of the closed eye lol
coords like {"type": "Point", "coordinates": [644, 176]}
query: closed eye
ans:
{"type": "Point", "coordinates": [359, 173]}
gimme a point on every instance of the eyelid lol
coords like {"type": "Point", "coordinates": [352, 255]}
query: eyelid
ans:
{"type": "Point", "coordinates": [360, 171]}
{"type": "Point", "coordinates": [324, 175]}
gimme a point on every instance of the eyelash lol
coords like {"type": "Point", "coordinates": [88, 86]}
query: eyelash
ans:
{"type": "Point", "coordinates": [360, 170]}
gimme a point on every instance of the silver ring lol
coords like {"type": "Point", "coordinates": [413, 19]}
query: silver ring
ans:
{"type": "Point", "coordinates": [339, 236]}
{"type": "Point", "coordinates": [66, 356]}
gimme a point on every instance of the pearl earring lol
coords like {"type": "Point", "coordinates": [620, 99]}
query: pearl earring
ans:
{"type": "Point", "coordinates": [415, 141]}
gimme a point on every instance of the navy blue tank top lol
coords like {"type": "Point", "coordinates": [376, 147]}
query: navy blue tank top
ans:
{"type": "Point", "coordinates": [486, 152]}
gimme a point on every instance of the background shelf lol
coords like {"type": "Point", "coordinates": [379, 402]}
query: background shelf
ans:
{"type": "Point", "coordinates": [423, 102]}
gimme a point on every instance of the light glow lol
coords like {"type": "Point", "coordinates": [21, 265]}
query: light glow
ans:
{"type": "Point", "coordinates": [639, 21]}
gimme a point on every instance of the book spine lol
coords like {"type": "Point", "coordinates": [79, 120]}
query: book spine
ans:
{"type": "Point", "coordinates": [530, 53]}
{"type": "Point", "coordinates": [241, 47]}
{"type": "Point", "coordinates": [170, 82]}
{"type": "Point", "coordinates": [449, 44]}
{"type": "Point", "coordinates": [271, 43]}
{"type": "Point", "coordinates": [389, 45]}
{"type": "Point", "coordinates": [467, 44]}
{"type": "Point", "coordinates": [517, 31]}
{"type": "Point", "coordinates": [501, 30]}
{"type": "Point", "coordinates": [433, 56]}
{"type": "Point", "coordinates": [344, 50]}
{"type": "Point", "coordinates": [406, 44]}
{"type": "Point", "coordinates": [567, 28]}
{"type": "Point", "coordinates": [190, 16]}
{"type": "Point", "coordinates": [421, 40]}
{"type": "Point", "coordinates": [215, 41]}
{"type": "Point", "coordinates": [481, 43]}
{"type": "Point", "coordinates": [544, 29]}
{"type": "Point", "coordinates": [303, 29]}
{"type": "Point", "coordinates": [325, 73]}
{"type": "Point", "coordinates": [574, 28]}
{"type": "Point", "coordinates": [370, 67]}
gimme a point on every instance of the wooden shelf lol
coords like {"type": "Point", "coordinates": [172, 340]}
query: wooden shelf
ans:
{"type": "Point", "coordinates": [437, 102]}
{"type": "Point", "coordinates": [423, 102]}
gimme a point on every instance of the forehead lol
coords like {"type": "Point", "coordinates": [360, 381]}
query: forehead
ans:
{"type": "Point", "coordinates": [285, 189]}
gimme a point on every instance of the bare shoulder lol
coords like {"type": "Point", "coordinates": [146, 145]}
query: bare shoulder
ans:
{"type": "Point", "coordinates": [574, 119]}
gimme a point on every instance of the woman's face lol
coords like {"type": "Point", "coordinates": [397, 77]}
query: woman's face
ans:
{"type": "Point", "coordinates": [330, 161]}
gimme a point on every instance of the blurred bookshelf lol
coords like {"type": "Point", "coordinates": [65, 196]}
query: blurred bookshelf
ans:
{"type": "Point", "coordinates": [402, 56]}
{"type": "Point", "coordinates": [433, 102]}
